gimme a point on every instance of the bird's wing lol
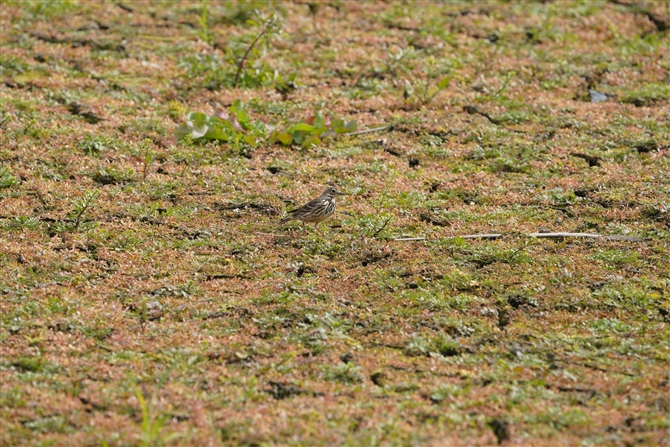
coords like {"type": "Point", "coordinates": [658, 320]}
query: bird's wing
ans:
{"type": "Point", "coordinates": [309, 206]}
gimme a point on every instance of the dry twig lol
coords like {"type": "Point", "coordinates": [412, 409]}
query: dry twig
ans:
{"type": "Point", "coordinates": [610, 237]}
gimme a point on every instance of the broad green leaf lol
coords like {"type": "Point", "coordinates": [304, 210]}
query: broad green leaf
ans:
{"type": "Point", "coordinates": [282, 137]}
{"type": "Point", "coordinates": [301, 127]}
{"type": "Point", "coordinates": [250, 140]}
{"type": "Point", "coordinates": [182, 131]}
{"type": "Point", "coordinates": [198, 130]}
{"type": "Point", "coordinates": [243, 117]}
{"type": "Point", "coordinates": [319, 121]}
{"type": "Point", "coordinates": [310, 141]}
{"type": "Point", "coordinates": [320, 130]}
{"type": "Point", "coordinates": [340, 126]}
{"type": "Point", "coordinates": [223, 123]}
{"type": "Point", "coordinates": [198, 118]}
{"type": "Point", "coordinates": [236, 124]}
{"type": "Point", "coordinates": [237, 106]}
{"type": "Point", "coordinates": [285, 138]}
{"type": "Point", "coordinates": [298, 136]}
{"type": "Point", "coordinates": [217, 133]}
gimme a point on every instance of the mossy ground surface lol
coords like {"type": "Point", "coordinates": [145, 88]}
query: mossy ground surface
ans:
{"type": "Point", "coordinates": [147, 296]}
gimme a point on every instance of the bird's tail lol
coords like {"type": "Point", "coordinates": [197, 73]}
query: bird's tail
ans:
{"type": "Point", "coordinates": [288, 218]}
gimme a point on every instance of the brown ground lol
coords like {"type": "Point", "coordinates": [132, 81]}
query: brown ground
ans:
{"type": "Point", "coordinates": [148, 298]}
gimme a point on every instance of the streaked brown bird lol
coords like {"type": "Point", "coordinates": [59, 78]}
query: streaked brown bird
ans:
{"type": "Point", "coordinates": [317, 210]}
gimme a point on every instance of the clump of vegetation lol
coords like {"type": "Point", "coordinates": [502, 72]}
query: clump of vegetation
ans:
{"type": "Point", "coordinates": [441, 345]}
{"type": "Point", "coordinates": [7, 180]}
{"type": "Point", "coordinates": [346, 373]}
{"type": "Point", "coordinates": [647, 95]}
{"type": "Point", "coordinates": [421, 91]}
{"type": "Point", "coordinates": [242, 63]}
{"type": "Point", "coordinates": [81, 206]}
{"type": "Point", "coordinates": [113, 175]}
{"type": "Point", "coordinates": [96, 144]}
{"type": "Point", "coordinates": [234, 127]}
{"type": "Point", "coordinates": [237, 127]}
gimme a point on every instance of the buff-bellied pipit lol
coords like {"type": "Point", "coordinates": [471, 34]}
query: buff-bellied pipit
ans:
{"type": "Point", "coordinates": [317, 210]}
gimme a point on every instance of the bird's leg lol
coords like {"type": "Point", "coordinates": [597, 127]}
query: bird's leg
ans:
{"type": "Point", "coordinates": [316, 226]}
{"type": "Point", "coordinates": [304, 227]}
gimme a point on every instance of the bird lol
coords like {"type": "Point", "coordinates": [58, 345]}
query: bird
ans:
{"type": "Point", "coordinates": [317, 210]}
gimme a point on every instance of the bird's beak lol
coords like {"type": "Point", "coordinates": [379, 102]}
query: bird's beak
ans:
{"type": "Point", "coordinates": [341, 193]}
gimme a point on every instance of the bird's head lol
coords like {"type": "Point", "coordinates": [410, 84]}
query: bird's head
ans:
{"type": "Point", "coordinates": [332, 191]}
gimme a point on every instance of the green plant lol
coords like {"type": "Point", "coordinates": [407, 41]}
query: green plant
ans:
{"type": "Point", "coordinates": [442, 345]}
{"type": "Point", "coordinates": [81, 205]}
{"type": "Point", "coordinates": [94, 144]}
{"type": "Point", "coordinates": [417, 346]}
{"type": "Point", "coordinates": [20, 222]}
{"type": "Point", "coordinates": [285, 85]}
{"type": "Point", "coordinates": [506, 80]}
{"type": "Point", "coordinates": [346, 373]}
{"type": "Point", "coordinates": [49, 424]}
{"type": "Point", "coordinates": [647, 95]}
{"type": "Point", "coordinates": [445, 391]}
{"type": "Point", "coordinates": [152, 424]}
{"type": "Point", "coordinates": [373, 225]}
{"type": "Point", "coordinates": [242, 64]}
{"type": "Point", "coordinates": [421, 92]}
{"type": "Point", "coordinates": [7, 180]}
{"type": "Point", "coordinates": [400, 61]}
{"type": "Point", "coordinates": [267, 27]}
{"type": "Point", "coordinates": [237, 127]}
{"type": "Point", "coordinates": [30, 364]}
{"type": "Point", "coordinates": [113, 176]}
{"type": "Point", "coordinates": [12, 65]}
{"type": "Point", "coordinates": [609, 326]}
{"type": "Point", "coordinates": [308, 133]}
{"type": "Point", "coordinates": [49, 8]}
{"type": "Point", "coordinates": [204, 33]}
{"type": "Point", "coordinates": [210, 70]}
{"type": "Point", "coordinates": [148, 157]}
{"type": "Point", "coordinates": [615, 259]}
